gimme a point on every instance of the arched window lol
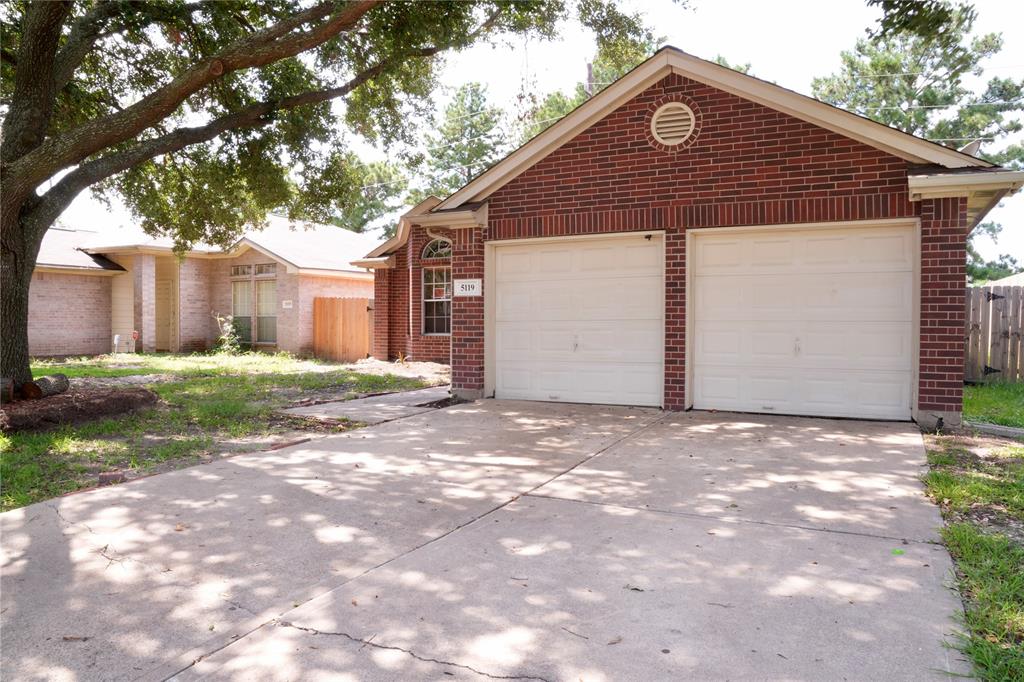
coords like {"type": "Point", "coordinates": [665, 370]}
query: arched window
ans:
{"type": "Point", "coordinates": [437, 288]}
{"type": "Point", "coordinates": [439, 248]}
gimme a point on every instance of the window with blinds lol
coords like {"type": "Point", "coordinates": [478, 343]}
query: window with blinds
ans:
{"type": "Point", "coordinates": [266, 311]}
{"type": "Point", "coordinates": [241, 309]}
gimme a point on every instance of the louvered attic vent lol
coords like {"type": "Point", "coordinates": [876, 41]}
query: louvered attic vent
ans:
{"type": "Point", "coordinates": [672, 123]}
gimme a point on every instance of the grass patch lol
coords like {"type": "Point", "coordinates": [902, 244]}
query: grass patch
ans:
{"type": "Point", "coordinates": [979, 484]}
{"type": "Point", "coordinates": [1001, 404]}
{"type": "Point", "coordinates": [991, 579]}
{"type": "Point", "coordinates": [214, 399]}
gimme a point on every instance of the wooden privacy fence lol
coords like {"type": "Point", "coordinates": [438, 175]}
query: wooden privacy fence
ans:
{"type": "Point", "coordinates": [994, 320]}
{"type": "Point", "coordinates": [342, 328]}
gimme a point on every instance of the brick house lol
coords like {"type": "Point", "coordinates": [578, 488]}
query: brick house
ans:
{"type": "Point", "coordinates": [89, 288]}
{"type": "Point", "coordinates": [696, 237]}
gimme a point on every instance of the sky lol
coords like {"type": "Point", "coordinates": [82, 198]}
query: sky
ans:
{"type": "Point", "coordinates": [786, 41]}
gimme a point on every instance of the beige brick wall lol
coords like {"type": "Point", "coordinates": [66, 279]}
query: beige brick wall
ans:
{"type": "Point", "coordinates": [287, 289]}
{"type": "Point", "coordinates": [194, 290]}
{"type": "Point", "coordinates": [69, 314]}
{"type": "Point", "coordinates": [329, 287]}
{"type": "Point", "coordinates": [144, 274]}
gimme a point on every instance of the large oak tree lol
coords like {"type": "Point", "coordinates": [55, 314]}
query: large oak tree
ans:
{"type": "Point", "coordinates": [202, 115]}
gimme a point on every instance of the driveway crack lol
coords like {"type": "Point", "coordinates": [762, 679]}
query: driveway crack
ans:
{"type": "Point", "coordinates": [370, 643]}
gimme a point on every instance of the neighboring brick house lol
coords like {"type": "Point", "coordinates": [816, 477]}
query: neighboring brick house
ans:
{"type": "Point", "coordinates": [696, 237]}
{"type": "Point", "coordinates": [89, 288]}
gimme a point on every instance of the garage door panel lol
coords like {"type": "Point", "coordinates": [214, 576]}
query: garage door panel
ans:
{"type": "Point", "coordinates": [581, 321]}
{"type": "Point", "coordinates": [854, 345]}
{"type": "Point", "coordinates": [806, 322]}
{"type": "Point", "coordinates": [866, 249]}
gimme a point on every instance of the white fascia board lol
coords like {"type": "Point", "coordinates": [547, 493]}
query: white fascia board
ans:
{"type": "Point", "coordinates": [76, 270]}
{"type": "Point", "coordinates": [941, 185]}
{"type": "Point", "coordinates": [454, 220]}
{"type": "Point", "coordinates": [380, 263]}
{"type": "Point", "coordinates": [819, 113]}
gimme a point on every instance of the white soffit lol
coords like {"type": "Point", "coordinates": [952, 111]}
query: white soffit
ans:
{"type": "Point", "coordinates": [672, 60]}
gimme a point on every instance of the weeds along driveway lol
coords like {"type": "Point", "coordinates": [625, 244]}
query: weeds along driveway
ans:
{"type": "Point", "coordinates": [138, 580]}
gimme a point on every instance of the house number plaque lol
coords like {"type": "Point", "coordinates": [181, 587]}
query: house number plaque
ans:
{"type": "Point", "coordinates": [468, 287]}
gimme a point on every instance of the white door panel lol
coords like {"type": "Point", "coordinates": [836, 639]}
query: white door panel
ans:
{"type": "Point", "coordinates": [805, 322]}
{"type": "Point", "coordinates": [580, 321]}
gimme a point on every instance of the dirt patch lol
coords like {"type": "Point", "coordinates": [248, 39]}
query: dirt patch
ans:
{"type": "Point", "coordinates": [119, 382]}
{"type": "Point", "coordinates": [433, 373]}
{"type": "Point", "coordinates": [76, 406]}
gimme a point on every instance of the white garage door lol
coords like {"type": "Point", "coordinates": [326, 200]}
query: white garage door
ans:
{"type": "Point", "coordinates": [815, 322]}
{"type": "Point", "coordinates": [580, 320]}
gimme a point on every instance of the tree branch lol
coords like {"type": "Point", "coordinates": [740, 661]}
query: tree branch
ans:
{"type": "Point", "coordinates": [272, 44]}
{"type": "Point", "coordinates": [57, 199]}
{"type": "Point", "coordinates": [33, 94]}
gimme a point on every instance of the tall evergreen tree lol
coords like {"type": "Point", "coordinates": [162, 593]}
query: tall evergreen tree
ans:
{"type": "Point", "coordinates": [916, 84]}
{"type": "Point", "coordinates": [468, 141]}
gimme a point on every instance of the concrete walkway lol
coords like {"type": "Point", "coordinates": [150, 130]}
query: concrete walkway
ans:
{"type": "Point", "coordinates": [374, 409]}
{"type": "Point", "coordinates": [524, 540]}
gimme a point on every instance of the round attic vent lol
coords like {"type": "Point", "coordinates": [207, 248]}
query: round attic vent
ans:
{"type": "Point", "coordinates": [672, 123]}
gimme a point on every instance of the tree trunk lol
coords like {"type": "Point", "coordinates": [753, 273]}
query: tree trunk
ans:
{"type": "Point", "coordinates": [44, 387]}
{"type": "Point", "coordinates": [18, 251]}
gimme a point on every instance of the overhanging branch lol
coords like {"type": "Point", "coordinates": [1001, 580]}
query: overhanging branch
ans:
{"type": "Point", "coordinates": [56, 200]}
{"type": "Point", "coordinates": [280, 41]}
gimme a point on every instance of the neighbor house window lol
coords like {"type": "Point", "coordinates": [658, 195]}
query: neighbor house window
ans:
{"type": "Point", "coordinates": [266, 310]}
{"type": "Point", "coordinates": [241, 308]}
{"type": "Point", "coordinates": [254, 299]}
{"type": "Point", "coordinates": [437, 288]}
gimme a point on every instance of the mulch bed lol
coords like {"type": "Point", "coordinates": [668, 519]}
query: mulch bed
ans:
{"type": "Point", "coordinates": [74, 407]}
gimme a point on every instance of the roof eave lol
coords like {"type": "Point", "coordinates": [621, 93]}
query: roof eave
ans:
{"type": "Point", "coordinates": [983, 190]}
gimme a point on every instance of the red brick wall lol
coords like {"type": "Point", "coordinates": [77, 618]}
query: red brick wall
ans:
{"type": "Point", "coordinates": [68, 314]}
{"type": "Point", "coordinates": [747, 165]}
{"type": "Point", "coordinates": [943, 277]}
{"type": "Point", "coordinates": [381, 314]}
{"type": "Point", "coordinates": [395, 331]}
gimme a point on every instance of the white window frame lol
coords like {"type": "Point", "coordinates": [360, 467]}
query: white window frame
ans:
{"type": "Point", "coordinates": [424, 299]}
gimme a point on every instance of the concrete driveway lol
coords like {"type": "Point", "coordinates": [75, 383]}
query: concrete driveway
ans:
{"type": "Point", "coordinates": [504, 540]}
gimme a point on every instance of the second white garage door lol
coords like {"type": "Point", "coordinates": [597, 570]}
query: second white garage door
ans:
{"type": "Point", "coordinates": [580, 320]}
{"type": "Point", "coordinates": [816, 322]}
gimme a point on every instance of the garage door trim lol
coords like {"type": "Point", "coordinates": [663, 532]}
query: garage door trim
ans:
{"type": "Point", "coordinates": [913, 223]}
{"type": "Point", "coordinates": [490, 247]}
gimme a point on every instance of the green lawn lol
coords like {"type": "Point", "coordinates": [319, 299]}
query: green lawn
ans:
{"type": "Point", "coordinates": [211, 399]}
{"type": "Point", "coordinates": [979, 484]}
{"type": "Point", "coordinates": [995, 404]}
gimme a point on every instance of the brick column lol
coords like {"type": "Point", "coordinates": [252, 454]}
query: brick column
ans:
{"type": "Point", "coordinates": [943, 279]}
{"type": "Point", "coordinates": [381, 313]}
{"type": "Point", "coordinates": [468, 316]}
{"type": "Point", "coordinates": [144, 274]}
{"type": "Point", "coordinates": [675, 318]}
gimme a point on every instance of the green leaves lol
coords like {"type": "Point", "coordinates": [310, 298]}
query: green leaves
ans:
{"type": "Point", "coordinates": [915, 83]}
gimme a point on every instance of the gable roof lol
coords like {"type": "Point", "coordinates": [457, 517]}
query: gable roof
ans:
{"type": "Point", "coordinates": [64, 249]}
{"type": "Point", "coordinates": [303, 247]}
{"type": "Point", "coordinates": [671, 60]}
